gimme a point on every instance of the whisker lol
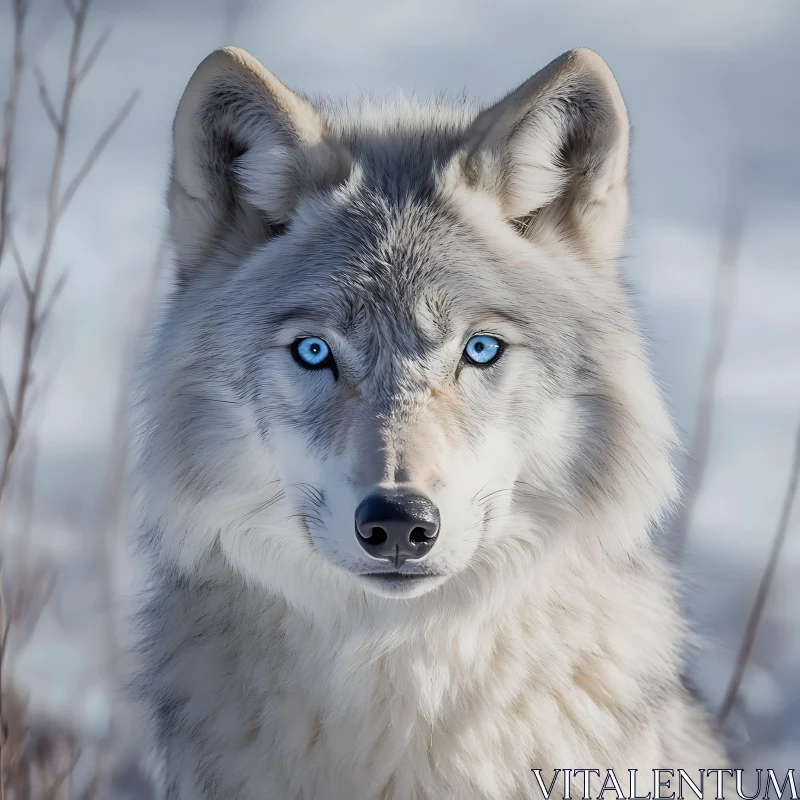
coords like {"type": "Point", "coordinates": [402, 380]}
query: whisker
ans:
{"type": "Point", "coordinates": [277, 497]}
{"type": "Point", "coordinates": [313, 494]}
{"type": "Point", "coordinates": [480, 490]}
{"type": "Point", "coordinates": [307, 517]}
{"type": "Point", "coordinates": [491, 495]}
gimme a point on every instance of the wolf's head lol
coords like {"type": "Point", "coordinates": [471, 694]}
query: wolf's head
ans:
{"type": "Point", "coordinates": [398, 351]}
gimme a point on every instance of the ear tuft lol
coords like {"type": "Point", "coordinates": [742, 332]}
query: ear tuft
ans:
{"type": "Point", "coordinates": [246, 149]}
{"type": "Point", "coordinates": [555, 153]}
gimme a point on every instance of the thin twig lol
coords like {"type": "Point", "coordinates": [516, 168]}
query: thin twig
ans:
{"type": "Point", "coordinates": [4, 399]}
{"type": "Point", "coordinates": [20, 14]}
{"type": "Point", "coordinates": [4, 302]}
{"type": "Point", "coordinates": [724, 298]}
{"type": "Point", "coordinates": [93, 54]}
{"type": "Point", "coordinates": [20, 264]}
{"type": "Point", "coordinates": [97, 150]}
{"type": "Point", "coordinates": [47, 103]}
{"type": "Point", "coordinates": [764, 586]}
{"type": "Point", "coordinates": [47, 307]}
{"type": "Point", "coordinates": [6, 402]}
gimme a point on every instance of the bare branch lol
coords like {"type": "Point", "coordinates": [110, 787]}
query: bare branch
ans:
{"type": "Point", "coordinates": [38, 308]}
{"type": "Point", "coordinates": [724, 298]}
{"type": "Point", "coordinates": [6, 402]}
{"type": "Point", "coordinates": [21, 271]}
{"type": "Point", "coordinates": [764, 586]}
{"type": "Point", "coordinates": [81, 11]}
{"type": "Point", "coordinates": [38, 305]}
{"type": "Point", "coordinates": [20, 14]}
{"type": "Point", "coordinates": [93, 54]}
{"type": "Point", "coordinates": [4, 399]}
{"type": "Point", "coordinates": [47, 103]}
{"type": "Point", "coordinates": [50, 302]}
{"type": "Point", "coordinates": [30, 330]}
{"type": "Point", "coordinates": [97, 150]}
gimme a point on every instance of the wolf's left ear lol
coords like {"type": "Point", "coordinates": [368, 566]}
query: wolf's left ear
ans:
{"type": "Point", "coordinates": [246, 149]}
{"type": "Point", "coordinates": [555, 153]}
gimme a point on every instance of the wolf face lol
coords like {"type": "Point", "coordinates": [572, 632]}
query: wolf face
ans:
{"type": "Point", "coordinates": [398, 357]}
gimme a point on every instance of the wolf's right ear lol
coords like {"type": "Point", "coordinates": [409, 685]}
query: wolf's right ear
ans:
{"type": "Point", "coordinates": [245, 149]}
{"type": "Point", "coordinates": [555, 153]}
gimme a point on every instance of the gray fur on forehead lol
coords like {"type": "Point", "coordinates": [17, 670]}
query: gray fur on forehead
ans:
{"type": "Point", "coordinates": [399, 145]}
{"type": "Point", "coordinates": [381, 267]}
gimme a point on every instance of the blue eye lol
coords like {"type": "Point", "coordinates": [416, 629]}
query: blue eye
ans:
{"type": "Point", "coordinates": [312, 353]}
{"type": "Point", "coordinates": [483, 349]}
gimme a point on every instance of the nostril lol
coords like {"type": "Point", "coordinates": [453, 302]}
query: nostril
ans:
{"type": "Point", "coordinates": [421, 536]}
{"type": "Point", "coordinates": [376, 536]}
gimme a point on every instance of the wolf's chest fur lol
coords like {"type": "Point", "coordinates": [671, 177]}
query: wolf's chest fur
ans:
{"type": "Point", "coordinates": [258, 702]}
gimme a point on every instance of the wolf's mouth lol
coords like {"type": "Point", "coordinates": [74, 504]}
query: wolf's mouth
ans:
{"type": "Point", "coordinates": [398, 577]}
{"type": "Point", "coordinates": [399, 584]}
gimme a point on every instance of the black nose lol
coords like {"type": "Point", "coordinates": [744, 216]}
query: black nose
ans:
{"type": "Point", "coordinates": [397, 526]}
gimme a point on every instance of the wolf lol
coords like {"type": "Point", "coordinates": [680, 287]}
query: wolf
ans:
{"type": "Point", "coordinates": [402, 463]}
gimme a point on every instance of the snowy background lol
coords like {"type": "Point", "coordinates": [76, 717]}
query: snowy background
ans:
{"type": "Point", "coordinates": [712, 90]}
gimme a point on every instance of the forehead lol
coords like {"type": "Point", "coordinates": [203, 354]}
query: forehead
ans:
{"type": "Point", "coordinates": [401, 262]}
{"type": "Point", "coordinates": [387, 233]}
